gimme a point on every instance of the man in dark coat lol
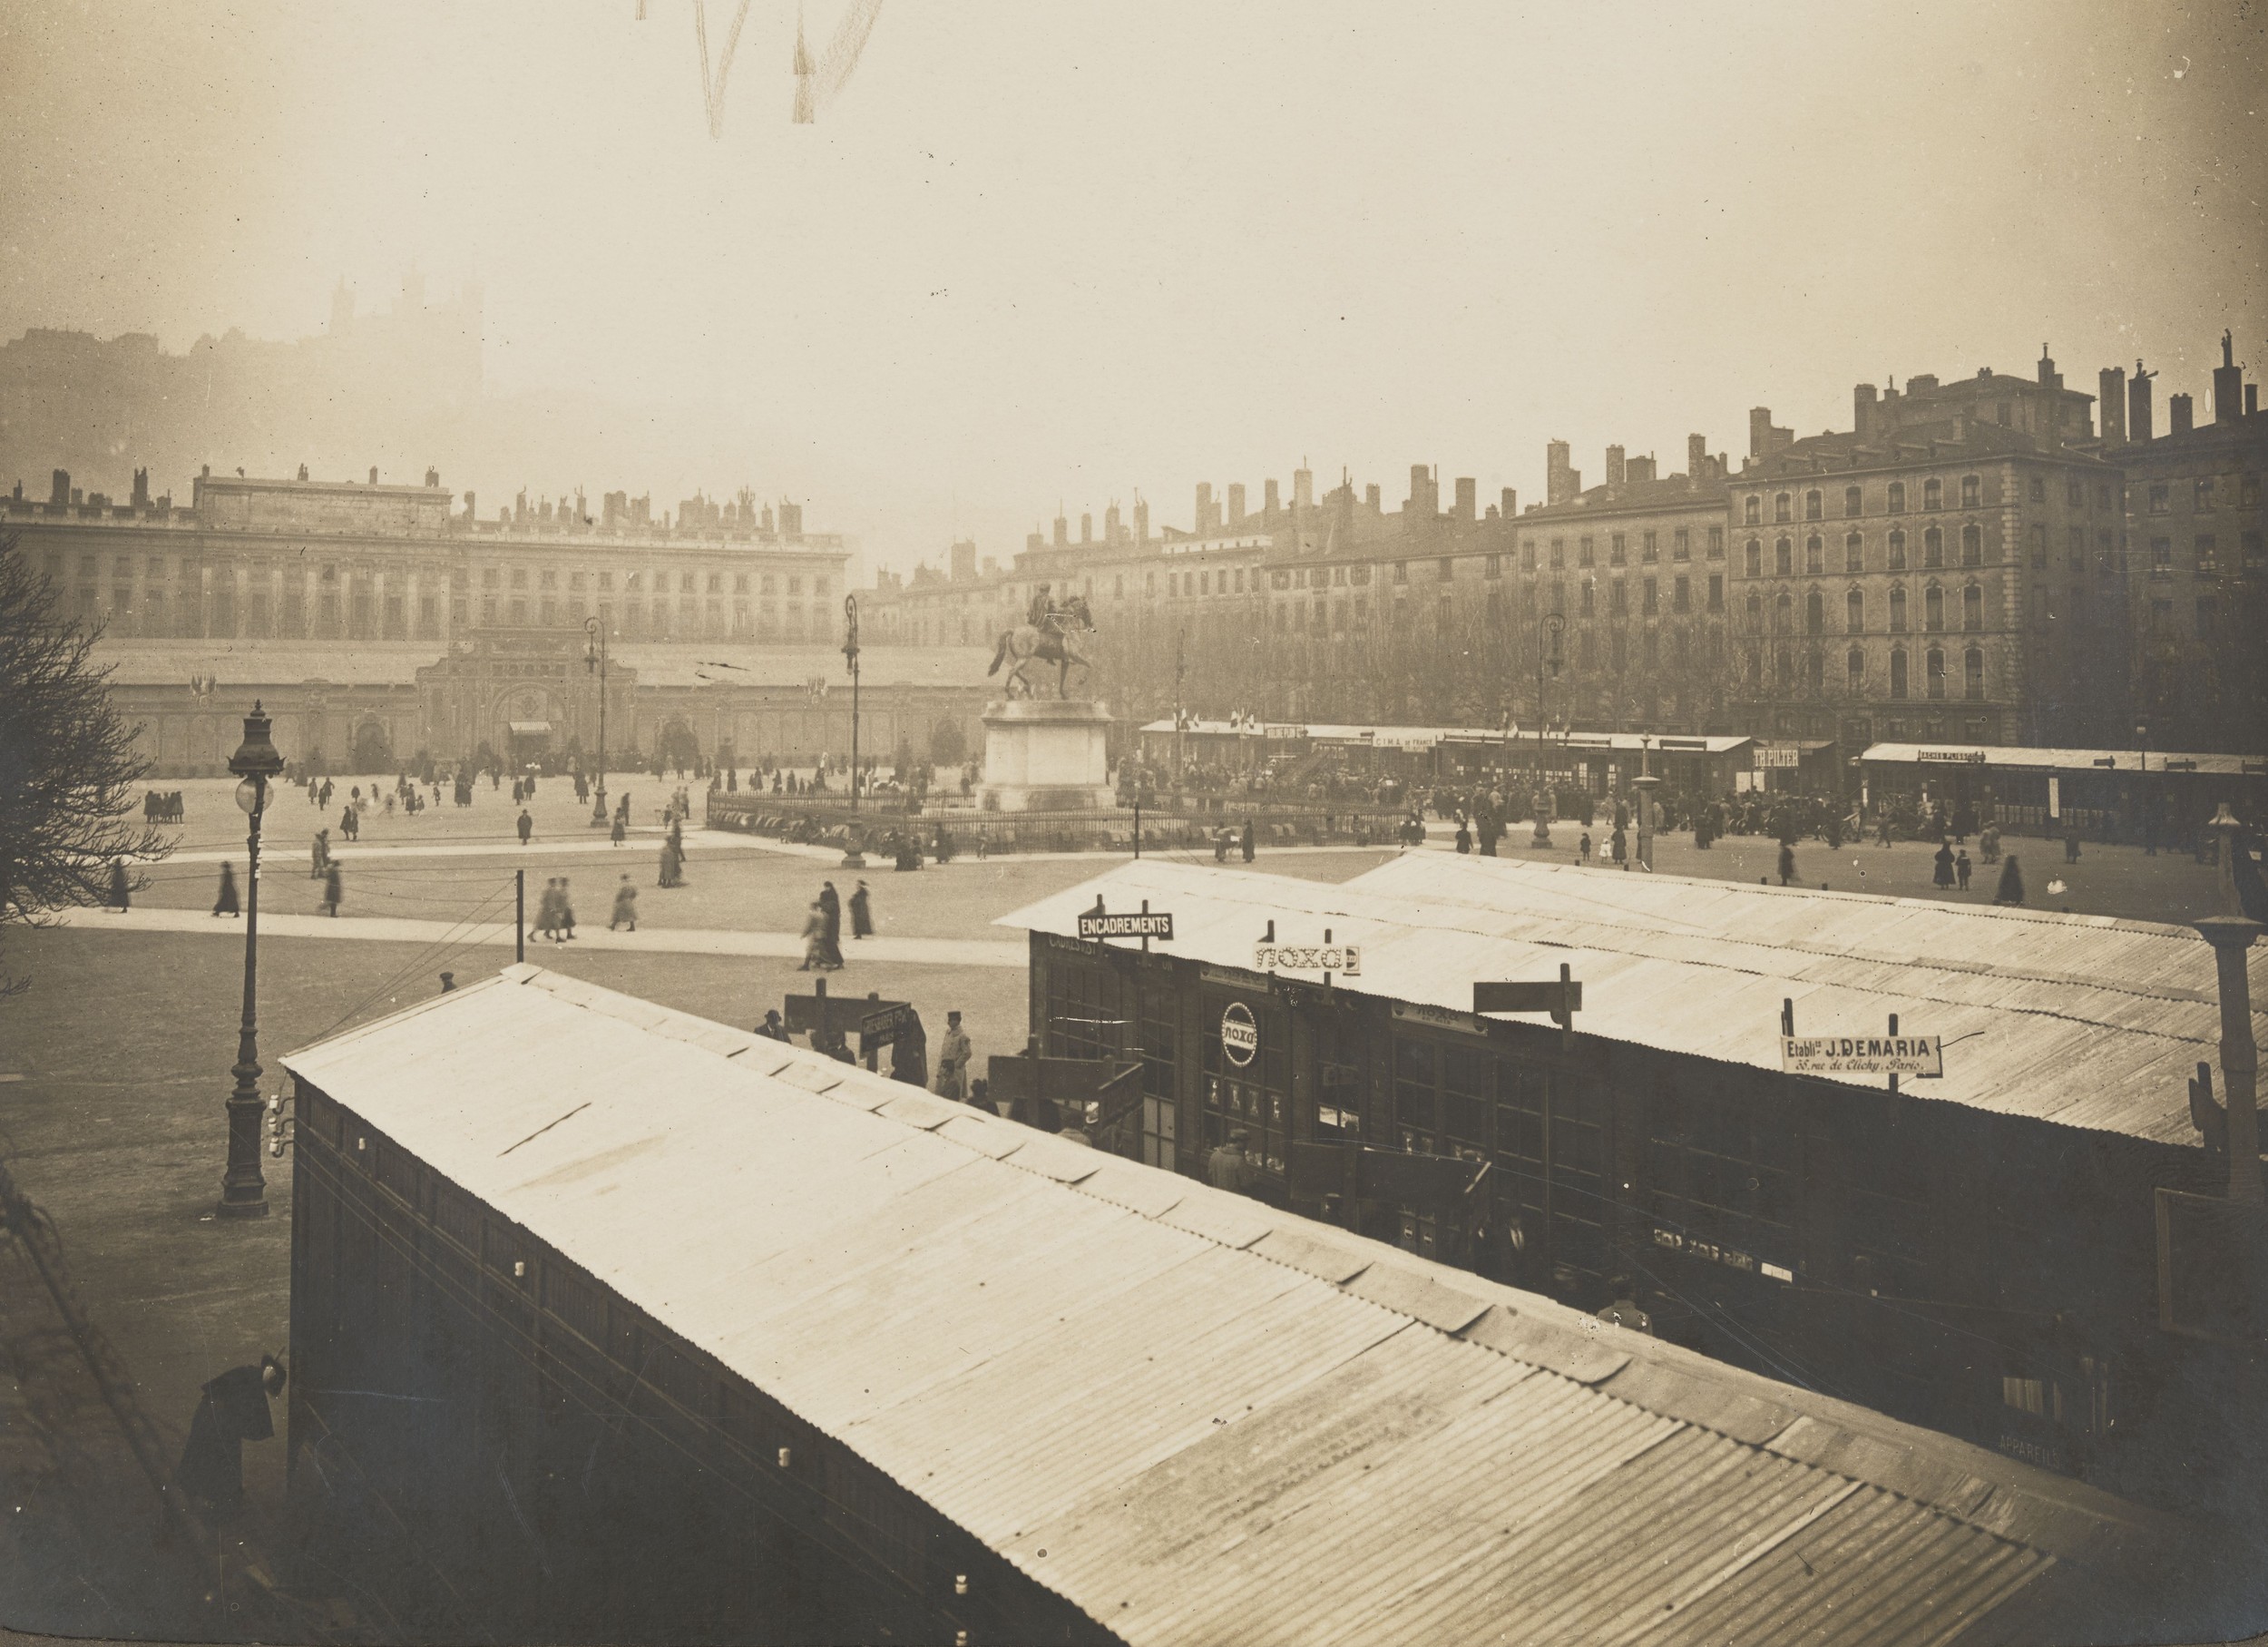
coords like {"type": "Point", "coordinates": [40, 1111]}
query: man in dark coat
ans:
{"type": "Point", "coordinates": [831, 914]}
{"type": "Point", "coordinates": [234, 1411]}
{"type": "Point", "coordinates": [526, 826]}
{"type": "Point", "coordinates": [1244, 841]}
{"type": "Point", "coordinates": [861, 914]}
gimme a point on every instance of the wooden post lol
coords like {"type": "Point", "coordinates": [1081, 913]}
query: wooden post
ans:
{"type": "Point", "coordinates": [1893, 1030]}
{"type": "Point", "coordinates": [519, 915]}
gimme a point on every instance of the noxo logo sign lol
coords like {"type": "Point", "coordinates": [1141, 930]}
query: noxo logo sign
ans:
{"type": "Point", "coordinates": [1239, 1033]}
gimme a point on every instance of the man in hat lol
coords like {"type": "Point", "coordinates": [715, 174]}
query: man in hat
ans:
{"type": "Point", "coordinates": [232, 1411]}
{"type": "Point", "coordinates": [953, 1054]}
{"type": "Point", "coordinates": [1228, 1167]}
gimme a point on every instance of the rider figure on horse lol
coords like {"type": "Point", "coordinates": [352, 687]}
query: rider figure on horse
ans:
{"type": "Point", "coordinates": [1050, 634]}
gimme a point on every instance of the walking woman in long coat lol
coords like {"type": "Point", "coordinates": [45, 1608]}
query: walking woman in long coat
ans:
{"type": "Point", "coordinates": [118, 888]}
{"type": "Point", "coordinates": [672, 875]}
{"type": "Point", "coordinates": [831, 907]}
{"type": "Point", "coordinates": [1943, 876]}
{"type": "Point", "coordinates": [861, 914]}
{"type": "Point", "coordinates": [2011, 890]}
{"type": "Point", "coordinates": [813, 940]}
{"type": "Point", "coordinates": [226, 903]}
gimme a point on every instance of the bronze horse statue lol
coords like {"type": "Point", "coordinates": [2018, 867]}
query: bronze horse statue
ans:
{"type": "Point", "coordinates": [1057, 643]}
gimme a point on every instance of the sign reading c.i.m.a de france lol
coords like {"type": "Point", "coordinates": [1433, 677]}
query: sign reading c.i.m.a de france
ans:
{"type": "Point", "coordinates": [1920, 1055]}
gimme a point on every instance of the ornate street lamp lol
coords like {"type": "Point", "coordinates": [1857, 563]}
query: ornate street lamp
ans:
{"type": "Point", "coordinates": [594, 662]}
{"type": "Point", "coordinates": [243, 1191]}
{"type": "Point", "coordinates": [854, 855]}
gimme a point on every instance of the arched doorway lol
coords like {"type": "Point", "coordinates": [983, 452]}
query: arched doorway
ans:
{"type": "Point", "coordinates": [676, 750]}
{"type": "Point", "coordinates": [374, 750]}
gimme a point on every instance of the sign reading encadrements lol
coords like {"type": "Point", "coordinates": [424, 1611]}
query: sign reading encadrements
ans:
{"type": "Point", "coordinates": [1142, 926]}
{"type": "Point", "coordinates": [1861, 1055]}
{"type": "Point", "coordinates": [1345, 958]}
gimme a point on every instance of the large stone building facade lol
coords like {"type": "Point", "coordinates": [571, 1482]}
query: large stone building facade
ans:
{"type": "Point", "coordinates": [1973, 559]}
{"type": "Point", "coordinates": [381, 624]}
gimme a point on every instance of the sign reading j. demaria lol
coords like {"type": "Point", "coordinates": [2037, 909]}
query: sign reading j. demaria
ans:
{"type": "Point", "coordinates": [1861, 1055]}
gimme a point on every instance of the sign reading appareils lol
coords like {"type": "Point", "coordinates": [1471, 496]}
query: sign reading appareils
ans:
{"type": "Point", "coordinates": [1141, 926]}
{"type": "Point", "coordinates": [1239, 1033]}
{"type": "Point", "coordinates": [1308, 957]}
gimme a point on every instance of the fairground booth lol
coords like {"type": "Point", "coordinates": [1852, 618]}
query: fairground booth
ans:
{"type": "Point", "coordinates": [608, 1323]}
{"type": "Point", "coordinates": [1978, 1242]}
{"type": "Point", "coordinates": [2145, 795]}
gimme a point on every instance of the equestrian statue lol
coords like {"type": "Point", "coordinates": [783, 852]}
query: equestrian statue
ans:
{"type": "Point", "coordinates": [1050, 633]}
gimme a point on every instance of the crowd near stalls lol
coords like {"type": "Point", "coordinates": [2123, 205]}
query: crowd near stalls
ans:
{"type": "Point", "coordinates": [1980, 1248]}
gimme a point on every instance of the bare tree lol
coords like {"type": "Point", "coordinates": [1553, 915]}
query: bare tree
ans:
{"type": "Point", "coordinates": [67, 762]}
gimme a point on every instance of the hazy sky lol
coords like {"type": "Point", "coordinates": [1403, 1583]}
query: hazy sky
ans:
{"type": "Point", "coordinates": [1044, 249]}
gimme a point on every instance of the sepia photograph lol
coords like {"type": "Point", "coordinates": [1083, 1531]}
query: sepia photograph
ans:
{"type": "Point", "coordinates": [1432, 823]}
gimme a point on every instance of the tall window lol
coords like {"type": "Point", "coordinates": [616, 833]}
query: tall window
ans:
{"type": "Point", "coordinates": [1756, 613]}
{"type": "Point", "coordinates": [1972, 674]}
{"type": "Point", "coordinates": [1681, 594]}
{"type": "Point", "coordinates": [1972, 545]}
{"type": "Point", "coordinates": [1814, 506]}
{"type": "Point", "coordinates": [1855, 554]}
{"type": "Point", "coordinates": [1852, 502]}
{"type": "Point", "coordinates": [1897, 552]}
{"type": "Point", "coordinates": [1753, 555]}
{"type": "Point", "coordinates": [1932, 494]}
{"type": "Point", "coordinates": [1584, 554]}
{"type": "Point", "coordinates": [1854, 669]}
{"type": "Point", "coordinates": [1897, 497]}
{"type": "Point", "coordinates": [1784, 556]}
{"type": "Point", "coordinates": [1971, 492]}
{"type": "Point", "coordinates": [1752, 512]}
{"type": "Point", "coordinates": [1815, 613]}
{"type": "Point", "coordinates": [1784, 615]}
{"type": "Point", "coordinates": [1854, 612]}
{"type": "Point", "coordinates": [1783, 507]}
{"type": "Point", "coordinates": [1618, 550]}
{"type": "Point", "coordinates": [1972, 608]}
{"type": "Point", "coordinates": [1716, 592]}
{"type": "Point", "coordinates": [1898, 610]}
{"type": "Point", "coordinates": [1933, 666]}
{"type": "Point", "coordinates": [1814, 555]}
{"type": "Point", "coordinates": [1897, 672]}
{"type": "Point", "coordinates": [1933, 608]}
{"type": "Point", "coordinates": [1933, 547]}
{"type": "Point", "coordinates": [1815, 669]}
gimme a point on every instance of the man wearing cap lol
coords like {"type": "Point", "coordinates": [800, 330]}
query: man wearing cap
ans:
{"type": "Point", "coordinates": [953, 1054]}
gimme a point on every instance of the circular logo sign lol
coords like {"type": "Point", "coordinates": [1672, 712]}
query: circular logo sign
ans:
{"type": "Point", "coordinates": [1239, 1035]}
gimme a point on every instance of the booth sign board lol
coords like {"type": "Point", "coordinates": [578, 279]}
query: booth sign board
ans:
{"type": "Point", "coordinates": [1239, 1033]}
{"type": "Point", "coordinates": [1956, 757]}
{"type": "Point", "coordinates": [1144, 925]}
{"type": "Point", "coordinates": [1919, 1056]}
{"type": "Point", "coordinates": [1773, 755]}
{"type": "Point", "coordinates": [896, 1019]}
{"type": "Point", "coordinates": [1308, 957]}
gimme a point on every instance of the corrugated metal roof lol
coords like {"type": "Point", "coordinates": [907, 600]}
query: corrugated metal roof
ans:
{"type": "Point", "coordinates": [2022, 998]}
{"type": "Point", "coordinates": [1198, 1419]}
{"type": "Point", "coordinates": [2057, 760]}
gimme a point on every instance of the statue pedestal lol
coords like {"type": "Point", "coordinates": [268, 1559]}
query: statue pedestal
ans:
{"type": "Point", "coordinates": [1046, 755]}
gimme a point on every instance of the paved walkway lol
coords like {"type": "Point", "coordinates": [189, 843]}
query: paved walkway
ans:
{"type": "Point", "coordinates": [651, 940]}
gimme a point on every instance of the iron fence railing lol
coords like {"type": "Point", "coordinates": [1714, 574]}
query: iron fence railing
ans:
{"type": "Point", "coordinates": [1193, 823]}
